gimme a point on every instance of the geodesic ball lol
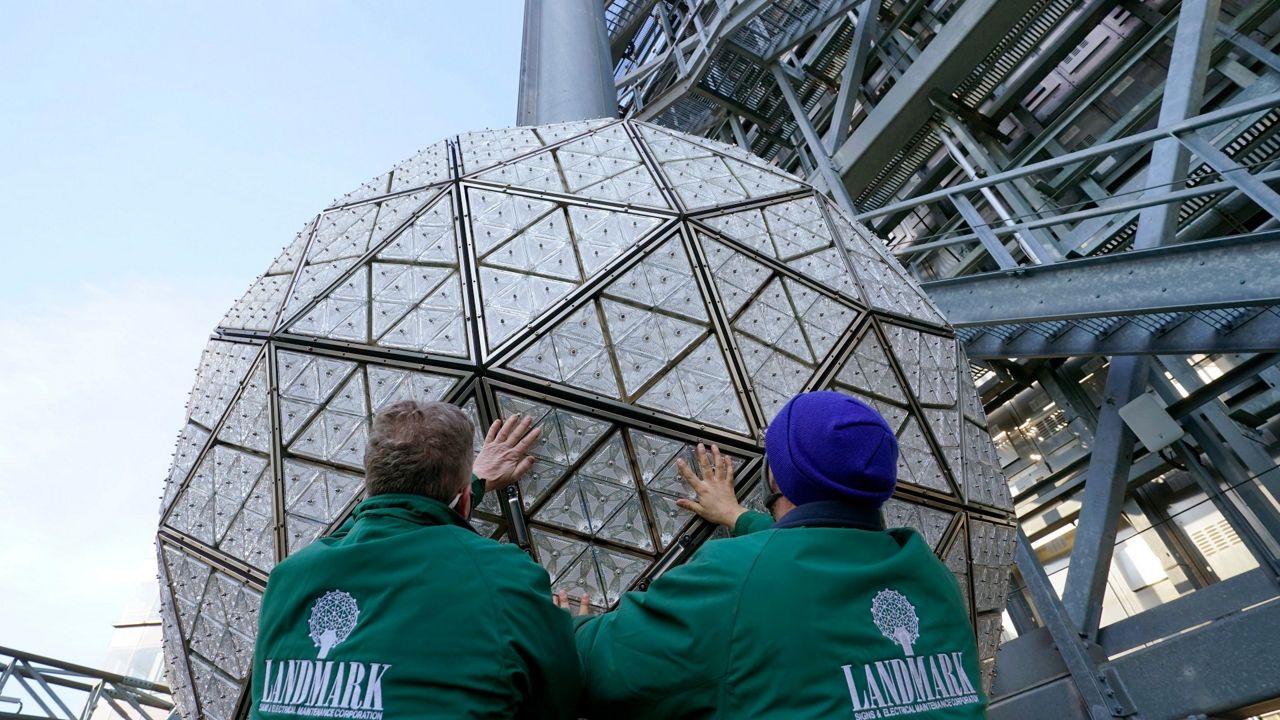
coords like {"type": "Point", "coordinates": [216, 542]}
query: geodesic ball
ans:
{"type": "Point", "coordinates": [633, 289]}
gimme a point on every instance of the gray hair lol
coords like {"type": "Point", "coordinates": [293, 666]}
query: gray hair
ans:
{"type": "Point", "coordinates": [424, 448]}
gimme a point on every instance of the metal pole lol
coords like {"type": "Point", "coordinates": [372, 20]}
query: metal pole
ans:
{"type": "Point", "coordinates": [566, 70]}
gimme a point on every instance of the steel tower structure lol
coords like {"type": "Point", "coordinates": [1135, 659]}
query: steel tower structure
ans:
{"type": "Point", "coordinates": [1086, 188]}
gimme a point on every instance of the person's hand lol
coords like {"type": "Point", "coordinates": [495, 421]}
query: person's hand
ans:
{"type": "Point", "coordinates": [505, 457]}
{"type": "Point", "coordinates": [716, 501]}
{"type": "Point", "coordinates": [561, 599]}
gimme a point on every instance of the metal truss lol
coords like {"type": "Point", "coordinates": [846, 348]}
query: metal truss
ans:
{"type": "Point", "coordinates": [1071, 182]}
{"type": "Point", "coordinates": [34, 687]}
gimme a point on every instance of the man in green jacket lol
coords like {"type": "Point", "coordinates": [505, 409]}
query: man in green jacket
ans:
{"type": "Point", "coordinates": [825, 614]}
{"type": "Point", "coordinates": [405, 612]}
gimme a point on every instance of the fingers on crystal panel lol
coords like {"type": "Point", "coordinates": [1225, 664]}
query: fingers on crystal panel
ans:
{"type": "Point", "coordinates": [579, 568]}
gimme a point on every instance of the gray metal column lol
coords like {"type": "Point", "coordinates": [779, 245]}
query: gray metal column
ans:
{"type": "Point", "coordinates": [1104, 491]}
{"type": "Point", "coordinates": [1127, 377]}
{"type": "Point", "coordinates": [566, 70]}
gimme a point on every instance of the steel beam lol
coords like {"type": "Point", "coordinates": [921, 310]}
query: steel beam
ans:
{"type": "Point", "coordinates": [855, 66]}
{"type": "Point", "coordinates": [1192, 336]}
{"type": "Point", "coordinates": [964, 40]}
{"type": "Point", "coordinates": [811, 138]}
{"type": "Point", "coordinates": [1104, 491]}
{"type": "Point", "coordinates": [1266, 102]}
{"type": "Point", "coordinates": [1100, 702]}
{"type": "Point", "coordinates": [1217, 668]}
{"type": "Point", "coordinates": [566, 70]}
{"type": "Point", "coordinates": [990, 242]}
{"type": "Point", "coordinates": [1232, 172]}
{"type": "Point", "coordinates": [1224, 273]}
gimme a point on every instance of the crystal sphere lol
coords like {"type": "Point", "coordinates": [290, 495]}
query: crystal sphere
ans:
{"type": "Point", "coordinates": [633, 289]}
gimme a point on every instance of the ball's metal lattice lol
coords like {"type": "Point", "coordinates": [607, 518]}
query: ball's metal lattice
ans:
{"type": "Point", "coordinates": [635, 290]}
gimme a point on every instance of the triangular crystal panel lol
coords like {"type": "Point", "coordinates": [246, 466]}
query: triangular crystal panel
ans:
{"type": "Point", "coordinates": [602, 235]}
{"type": "Point", "coordinates": [428, 167]}
{"type": "Point", "coordinates": [544, 248]}
{"type": "Point", "coordinates": [663, 279]}
{"type": "Point", "coordinates": [389, 385]}
{"type": "Point", "coordinates": [489, 147]}
{"type": "Point", "coordinates": [429, 239]}
{"type": "Point", "coordinates": [868, 370]}
{"type": "Point", "coordinates": [342, 313]}
{"type": "Point", "coordinates": [931, 523]}
{"type": "Point", "coordinates": [497, 216]}
{"type": "Point", "coordinates": [618, 571]}
{"type": "Point", "coordinates": [737, 277]}
{"type": "Point", "coordinates": [628, 527]}
{"type": "Point", "coordinates": [339, 432]}
{"type": "Point", "coordinates": [248, 423]}
{"type": "Point", "coordinates": [929, 362]}
{"type": "Point", "coordinates": [916, 462]}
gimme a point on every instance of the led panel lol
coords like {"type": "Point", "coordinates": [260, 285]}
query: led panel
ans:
{"type": "Point", "coordinates": [634, 290]}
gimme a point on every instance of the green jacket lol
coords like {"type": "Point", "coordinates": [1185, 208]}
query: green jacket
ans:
{"type": "Point", "coordinates": [822, 616]}
{"type": "Point", "coordinates": [405, 612]}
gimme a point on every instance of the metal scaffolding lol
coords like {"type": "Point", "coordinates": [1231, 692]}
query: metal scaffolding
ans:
{"type": "Point", "coordinates": [34, 687]}
{"type": "Point", "coordinates": [1087, 189]}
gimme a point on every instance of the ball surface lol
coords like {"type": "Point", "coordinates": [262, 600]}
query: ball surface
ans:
{"type": "Point", "coordinates": [632, 288]}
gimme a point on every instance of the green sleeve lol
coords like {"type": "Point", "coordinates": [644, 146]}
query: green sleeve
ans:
{"type": "Point", "coordinates": [477, 491]}
{"type": "Point", "coordinates": [663, 651]}
{"type": "Point", "coordinates": [549, 674]}
{"type": "Point", "coordinates": [751, 521]}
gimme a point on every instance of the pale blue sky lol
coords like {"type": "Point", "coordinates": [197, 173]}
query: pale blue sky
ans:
{"type": "Point", "coordinates": [154, 158]}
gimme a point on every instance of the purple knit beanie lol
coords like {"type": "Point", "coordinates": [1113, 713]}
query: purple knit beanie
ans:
{"type": "Point", "coordinates": [830, 446]}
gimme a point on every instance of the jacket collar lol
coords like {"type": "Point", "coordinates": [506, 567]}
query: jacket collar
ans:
{"type": "Point", "coordinates": [417, 509]}
{"type": "Point", "coordinates": [833, 513]}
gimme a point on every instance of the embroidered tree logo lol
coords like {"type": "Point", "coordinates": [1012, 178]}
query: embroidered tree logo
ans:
{"type": "Point", "coordinates": [896, 618]}
{"type": "Point", "coordinates": [333, 617]}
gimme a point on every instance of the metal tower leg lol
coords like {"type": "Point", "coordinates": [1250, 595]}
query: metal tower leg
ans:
{"type": "Point", "coordinates": [566, 70]}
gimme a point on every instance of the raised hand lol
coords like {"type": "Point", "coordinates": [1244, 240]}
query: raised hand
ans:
{"type": "Point", "coordinates": [505, 457]}
{"type": "Point", "coordinates": [716, 500]}
{"type": "Point", "coordinates": [561, 599]}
